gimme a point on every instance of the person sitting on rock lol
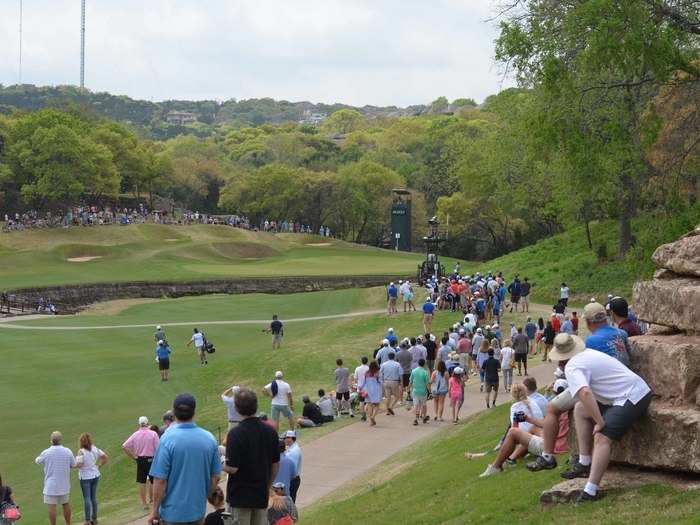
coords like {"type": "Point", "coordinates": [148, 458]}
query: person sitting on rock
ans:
{"type": "Point", "coordinates": [610, 398]}
{"type": "Point", "coordinates": [519, 441]}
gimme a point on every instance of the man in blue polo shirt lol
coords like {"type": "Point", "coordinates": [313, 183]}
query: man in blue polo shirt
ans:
{"type": "Point", "coordinates": [392, 294]}
{"type": "Point", "coordinates": [605, 338]}
{"type": "Point", "coordinates": [185, 469]}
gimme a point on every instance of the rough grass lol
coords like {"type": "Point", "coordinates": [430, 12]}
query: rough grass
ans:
{"type": "Point", "coordinates": [438, 485]}
{"type": "Point", "coordinates": [567, 258]}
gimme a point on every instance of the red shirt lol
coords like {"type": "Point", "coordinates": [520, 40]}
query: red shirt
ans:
{"type": "Point", "coordinates": [574, 323]}
{"type": "Point", "coordinates": [556, 324]}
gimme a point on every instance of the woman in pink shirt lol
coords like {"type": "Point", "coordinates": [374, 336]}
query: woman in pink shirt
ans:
{"type": "Point", "coordinates": [141, 447]}
{"type": "Point", "coordinates": [456, 392]}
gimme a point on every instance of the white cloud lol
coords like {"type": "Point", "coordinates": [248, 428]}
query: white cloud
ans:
{"type": "Point", "coordinates": [353, 51]}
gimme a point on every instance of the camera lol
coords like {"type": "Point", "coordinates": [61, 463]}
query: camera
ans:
{"type": "Point", "coordinates": [520, 417]}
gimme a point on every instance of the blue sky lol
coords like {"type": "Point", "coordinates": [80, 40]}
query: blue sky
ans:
{"type": "Point", "coordinates": [382, 52]}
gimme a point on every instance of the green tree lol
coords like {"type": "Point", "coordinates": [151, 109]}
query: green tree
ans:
{"type": "Point", "coordinates": [342, 122]}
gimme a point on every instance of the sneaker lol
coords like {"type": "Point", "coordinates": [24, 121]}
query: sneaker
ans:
{"type": "Point", "coordinates": [585, 497]}
{"type": "Point", "coordinates": [542, 464]}
{"type": "Point", "coordinates": [426, 419]}
{"type": "Point", "coordinates": [352, 415]}
{"type": "Point", "coordinates": [488, 406]}
{"type": "Point", "coordinates": [510, 462]}
{"type": "Point", "coordinates": [390, 411]}
{"type": "Point", "coordinates": [364, 417]}
{"type": "Point", "coordinates": [490, 471]}
{"type": "Point", "coordinates": [415, 422]}
{"type": "Point", "coordinates": [576, 471]}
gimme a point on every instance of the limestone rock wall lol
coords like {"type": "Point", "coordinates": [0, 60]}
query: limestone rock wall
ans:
{"type": "Point", "coordinates": [668, 358]}
{"type": "Point", "coordinates": [73, 298]}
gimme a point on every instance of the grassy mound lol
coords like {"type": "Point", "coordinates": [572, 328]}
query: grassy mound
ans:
{"type": "Point", "coordinates": [432, 482]}
{"type": "Point", "coordinates": [151, 252]}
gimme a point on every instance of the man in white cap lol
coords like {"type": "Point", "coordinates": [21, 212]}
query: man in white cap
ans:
{"type": "Point", "coordinates": [141, 447]}
{"type": "Point", "coordinates": [293, 452]}
{"type": "Point", "coordinates": [476, 344]}
{"type": "Point", "coordinates": [383, 353]}
{"type": "Point", "coordinates": [428, 315]}
{"type": "Point", "coordinates": [229, 399]}
{"type": "Point", "coordinates": [392, 294]}
{"type": "Point", "coordinates": [159, 334]}
{"type": "Point", "coordinates": [282, 402]}
{"type": "Point", "coordinates": [57, 461]}
{"type": "Point", "coordinates": [609, 397]}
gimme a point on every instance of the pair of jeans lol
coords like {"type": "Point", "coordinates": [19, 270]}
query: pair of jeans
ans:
{"type": "Point", "coordinates": [89, 488]}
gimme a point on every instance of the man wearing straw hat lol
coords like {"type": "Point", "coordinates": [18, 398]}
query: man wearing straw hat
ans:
{"type": "Point", "coordinates": [609, 397]}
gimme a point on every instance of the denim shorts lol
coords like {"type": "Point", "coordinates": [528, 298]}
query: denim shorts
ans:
{"type": "Point", "coordinates": [280, 409]}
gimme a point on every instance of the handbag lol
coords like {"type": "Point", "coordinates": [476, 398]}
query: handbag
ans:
{"type": "Point", "coordinates": [284, 520]}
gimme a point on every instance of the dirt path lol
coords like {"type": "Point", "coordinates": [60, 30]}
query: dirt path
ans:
{"type": "Point", "coordinates": [347, 454]}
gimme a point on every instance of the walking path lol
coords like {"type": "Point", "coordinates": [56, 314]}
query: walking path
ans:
{"type": "Point", "coordinates": [350, 452]}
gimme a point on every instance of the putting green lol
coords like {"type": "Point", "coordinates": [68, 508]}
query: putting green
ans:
{"type": "Point", "coordinates": [179, 253]}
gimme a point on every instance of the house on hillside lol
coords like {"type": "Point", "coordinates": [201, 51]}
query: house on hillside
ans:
{"type": "Point", "coordinates": [312, 118]}
{"type": "Point", "coordinates": [180, 117]}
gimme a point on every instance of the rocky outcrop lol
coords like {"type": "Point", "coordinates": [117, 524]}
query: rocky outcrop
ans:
{"type": "Point", "coordinates": [682, 256]}
{"type": "Point", "coordinates": [668, 438]}
{"type": "Point", "coordinates": [669, 302]}
{"type": "Point", "coordinates": [668, 359]}
{"type": "Point", "coordinates": [72, 298]}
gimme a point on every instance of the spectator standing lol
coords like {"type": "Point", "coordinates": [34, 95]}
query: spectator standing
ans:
{"type": "Point", "coordinates": [282, 401]}
{"type": "Point", "coordinates": [574, 322]}
{"type": "Point", "coordinates": [293, 452]}
{"type": "Point", "coordinates": [392, 294]}
{"type": "Point", "coordinates": [141, 447]}
{"type": "Point", "coordinates": [252, 462]}
{"type": "Point", "coordinates": [431, 350]}
{"type": "Point", "coordinates": [359, 378]}
{"type": "Point", "coordinates": [372, 390]}
{"type": "Point", "coordinates": [229, 398]}
{"type": "Point", "coordinates": [57, 461]}
{"type": "Point", "coordinates": [89, 460]}
{"type": "Point", "coordinates": [439, 388]}
{"type": "Point", "coordinates": [389, 376]}
{"type": "Point", "coordinates": [464, 348]}
{"type": "Point", "coordinates": [285, 471]}
{"type": "Point", "coordinates": [277, 331]}
{"type": "Point", "coordinates": [567, 326]}
{"type": "Point", "coordinates": [507, 362]}
{"type": "Point", "coordinates": [564, 294]}
{"type": "Point", "coordinates": [186, 468]}
{"type": "Point", "coordinates": [491, 368]}
{"type": "Point", "coordinates": [521, 347]}
{"type": "Point", "coordinates": [405, 359]}
{"type": "Point", "coordinates": [548, 338]}
{"type": "Point", "coordinates": [530, 332]}
{"type": "Point", "coordinates": [419, 381]}
{"type": "Point", "coordinates": [456, 389]}
{"type": "Point", "coordinates": [342, 388]}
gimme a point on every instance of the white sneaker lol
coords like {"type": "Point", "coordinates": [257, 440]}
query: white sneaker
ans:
{"type": "Point", "coordinates": [490, 471]}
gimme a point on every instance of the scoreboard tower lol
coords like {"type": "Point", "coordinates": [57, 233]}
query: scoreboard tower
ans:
{"type": "Point", "coordinates": [401, 220]}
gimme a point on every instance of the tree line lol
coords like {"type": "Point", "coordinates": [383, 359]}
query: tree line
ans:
{"type": "Point", "coordinates": [605, 125]}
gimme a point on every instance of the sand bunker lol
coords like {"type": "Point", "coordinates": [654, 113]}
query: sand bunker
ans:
{"type": "Point", "coordinates": [85, 259]}
{"type": "Point", "coordinates": [319, 244]}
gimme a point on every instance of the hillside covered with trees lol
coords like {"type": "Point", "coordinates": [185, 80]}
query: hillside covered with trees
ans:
{"type": "Point", "coordinates": [605, 126]}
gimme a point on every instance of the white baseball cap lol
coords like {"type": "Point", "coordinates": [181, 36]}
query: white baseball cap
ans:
{"type": "Point", "coordinates": [458, 371]}
{"type": "Point", "coordinates": [160, 342]}
{"type": "Point", "coordinates": [279, 374]}
{"type": "Point", "coordinates": [158, 327]}
{"type": "Point", "coordinates": [143, 421]}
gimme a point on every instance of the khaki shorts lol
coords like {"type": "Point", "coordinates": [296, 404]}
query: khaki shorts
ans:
{"type": "Point", "coordinates": [536, 446]}
{"type": "Point", "coordinates": [563, 402]}
{"type": "Point", "coordinates": [56, 500]}
{"type": "Point", "coordinates": [391, 388]}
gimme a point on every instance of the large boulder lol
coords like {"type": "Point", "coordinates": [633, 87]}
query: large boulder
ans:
{"type": "Point", "coordinates": [673, 302]}
{"type": "Point", "coordinates": [670, 364]}
{"type": "Point", "coordinates": [667, 438]}
{"type": "Point", "coordinates": [681, 256]}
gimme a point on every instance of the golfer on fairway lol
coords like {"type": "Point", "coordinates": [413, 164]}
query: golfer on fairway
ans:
{"type": "Point", "coordinates": [198, 340]}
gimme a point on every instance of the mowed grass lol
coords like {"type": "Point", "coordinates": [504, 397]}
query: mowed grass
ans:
{"type": "Point", "coordinates": [432, 483]}
{"type": "Point", "coordinates": [152, 252]}
{"type": "Point", "coordinates": [101, 381]}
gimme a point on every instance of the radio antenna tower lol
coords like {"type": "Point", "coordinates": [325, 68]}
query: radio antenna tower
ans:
{"type": "Point", "coordinates": [82, 44]}
{"type": "Point", "coordinates": [20, 42]}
